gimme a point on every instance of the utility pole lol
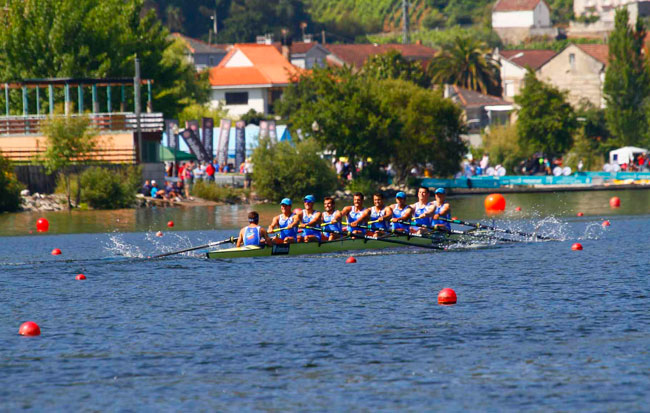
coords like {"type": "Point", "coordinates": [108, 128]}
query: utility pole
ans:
{"type": "Point", "coordinates": [405, 20]}
{"type": "Point", "coordinates": [138, 109]}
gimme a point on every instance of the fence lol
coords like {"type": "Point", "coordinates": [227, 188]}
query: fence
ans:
{"type": "Point", "coordinates": [31, 124]}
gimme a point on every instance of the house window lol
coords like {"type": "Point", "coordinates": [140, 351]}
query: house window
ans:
{"type": "Point", "coordinates": [236, 98]}
{"type": "Point", "coordinates": [572, 61]}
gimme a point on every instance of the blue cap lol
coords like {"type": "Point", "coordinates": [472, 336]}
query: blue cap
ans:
{"type": "Point", "coordinates": [309, 198]}
{"type": "Point", "coordinates": [400, 195]}
{"type": "Point", "coordinates": [285, 201]}
{"type": "Point", "coordinates": [440, 191]}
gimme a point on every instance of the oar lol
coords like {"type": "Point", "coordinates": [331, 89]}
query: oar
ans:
{"type": "Point", "coordinates": [456, 232]}
{"type": "Point", "coordinates": [482, 226]}
{"type": "Point", "coordinates": [394, 241]}
{"type": "Point", "coordinates": [212, 244]}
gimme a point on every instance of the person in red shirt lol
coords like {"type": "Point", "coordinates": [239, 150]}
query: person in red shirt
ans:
{"type": "Point", "coordinates": [209, 171]}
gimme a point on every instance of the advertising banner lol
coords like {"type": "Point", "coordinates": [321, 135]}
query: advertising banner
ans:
{"type": "Point", "coordinates": [194, 143]}
{"type": "Point", "coordinates": [224, 137]}
{"type": "Point", "coordinates": [171, 128]}
{"type": "Point", "coordinates": [273, 134]}
{"type": "Point", "coordinates": [207, 135]}
{"type": "Point", "coordinates": [240, 144]}
{"type": "Point", "coordinates": [264, 129]}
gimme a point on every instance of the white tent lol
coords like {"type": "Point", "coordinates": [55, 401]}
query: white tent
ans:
{"type": "Point", "coordinates": [624, 154]}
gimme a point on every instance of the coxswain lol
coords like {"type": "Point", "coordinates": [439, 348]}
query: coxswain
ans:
{"type": "Point", "coordinates": [354, 214]}
{"type": "Point", "coordinates": [309, 218]}
{"type": "Point", "coordinates": [441, 209]}
{"type": "Point", "coordinates": [422, 210]}
{"type": "Point", "coordinates": [286, 224]}
{"type": "Point", "coordinates": [253, 234]}
{"type": "Point", "coordinates": [377, 215]}
{"type": "Point", "coordinates": [401, 212]}
{"type": "Point", "coordinates": [331, 220]}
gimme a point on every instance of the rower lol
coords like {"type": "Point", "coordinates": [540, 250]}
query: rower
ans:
{"type": "Point", "coordinates": [422, 210]}
{"type": "Point", "coordinates": [379, 214]}
{"type": "Point", "coordinates": [401, 212]}
{"type": "Point", "coordinates": [331, 220]}
{"type": "Point", "coordinates": [309, 218]}
{"type": "Point", "coordinates": [253, 234]}
{"type": "Point", "coordinates": [441, 209]}
{"type": "Point", "coordinates": [286, 224]}
{"type": "Point", "coordinates": [354, 214]}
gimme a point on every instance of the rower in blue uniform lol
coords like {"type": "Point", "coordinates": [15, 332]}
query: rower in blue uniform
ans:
{"type": "Point", "coordinates": [331, 220]}
{"type": "Point", "coordinates": [422, 210]}
{"type": "Point", "coordinates": [401, 212]}
{"type": "Point", "coordinates": [309, 218]}
{"type": "Point", "coordinates": [253, 234]}
{"type": "Point", "coordinates": [354, 214]}
{"type": "Point", "coordinates": [285, 224]}
{"type": "Point", "coordinates": [441, 209]}
{"type": "Point", "coordinates": [378, 215]}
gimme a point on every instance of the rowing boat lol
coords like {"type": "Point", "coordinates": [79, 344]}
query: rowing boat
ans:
{"type": "Point", "coordinates": [437, 240]}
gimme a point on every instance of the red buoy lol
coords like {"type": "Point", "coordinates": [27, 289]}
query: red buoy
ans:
{"type": "Point", "coordinates": [29, 328]}
{"type": "Point", "coordinates": [614, 202]}
{"type": "Point", "coordinates": [170, 224]}
{"type": "Point", "coordinates": [80, 277]}
{"type": "Point", "coordinates": [350, 260]}
{"type": "Point", "coordinates": [42, 225]}
{"type": "Point", "coordinates": [577, 246]}
{"type": "Point", "coordinates": [495, 203]}
{"type": "Point", "coordinates": [447, 296]}
{"type": "Point", "coordinates": [606, 223]}
{"type": "Point", "coordinates": [56, 251]}
{"type": "Point", "coordinates": [518, 209]}
{"type": "Point", "coordinates": [580, 214]}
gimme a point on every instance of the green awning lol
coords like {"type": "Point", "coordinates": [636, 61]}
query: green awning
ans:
{"type": "Point", "coordinates": [167, 154]}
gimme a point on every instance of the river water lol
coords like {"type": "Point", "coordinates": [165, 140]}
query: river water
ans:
{"type": "Point", "coordinates": [537, 326]}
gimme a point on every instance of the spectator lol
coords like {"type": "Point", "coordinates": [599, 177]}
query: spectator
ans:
{"type": "Point", "coordinates": [146, 188]}
{"type": "Point", "coordinates": [154, 188]}
{"type": "Point", "coordinates": [209, 172]}
{"type": "Point", "coordinates": [485, 162]}
{"type": "Point", "coordinates": [248, 173]}
{"type": "Point", "coordinates": [187, 180]}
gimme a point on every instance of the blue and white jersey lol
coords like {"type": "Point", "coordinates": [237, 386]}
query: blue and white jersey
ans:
{"type": "Point", "coordinates": [420, 209]}
{"type": "Point", "coordinates": [327, 218]}
{"type": "Point", "coordinates": [283, 222]}
{"type": "Point", "coordinates": [353, 216]}
{"type": "Point", "coordinates": [377, 215]}
{"type": "Point", "coordinates": [306, 219]}
{"type": "Point", "coordinates": [252, 236]}
{"type": "Point", "coordinates": [399, 213]}
{"type": "Point", "coordinates": [446, 216]}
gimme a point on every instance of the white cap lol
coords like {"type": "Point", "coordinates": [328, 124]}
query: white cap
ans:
{"type": "Point", "coordinates": [153, 181]}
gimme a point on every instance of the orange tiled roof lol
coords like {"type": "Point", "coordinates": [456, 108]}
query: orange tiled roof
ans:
{"type": "Point", "coordinates": [599, 52]}
{"type": "Point", "coordinates": [357, 54]}
{"type": "Point", "coordinates": [515, 5]}
{"type": "Point", "coordinates": [528, 58]}
{"type": "Point", "coordinates": [269, 67]}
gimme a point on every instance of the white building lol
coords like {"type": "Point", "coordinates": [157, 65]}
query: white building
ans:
{"type": "Point", "coordinates": [250, 76]}
{"type": "Point", "coordinates": [518, 20]}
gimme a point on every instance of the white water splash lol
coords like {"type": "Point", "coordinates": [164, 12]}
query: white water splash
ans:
{"type": "Point", "coordinates": [117, 246]}
{"type": "Point", "coordinates": [592, 231]}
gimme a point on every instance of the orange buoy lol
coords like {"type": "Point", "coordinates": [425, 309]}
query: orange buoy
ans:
{"type": "Point", "coordinates": [580, 214]}
{"type": "Point", "coordinates": [56, 251]}
{"type": "Point", "coordinates": [606, 223]}
{"type": "Point", "coordinates": [577, 246]}
{"type": "Point", "coordinates": [614, 202]}
{"type": "Point", "coordinates": [350, 260]}
{"type": "Point", "coordinates": [447, 296]}
{"type": "Point", "coordinates": [159, 234]}
{"type": "Point", "coordinates": [495, 203]}
{"type": "Point", "coordinates": [29, 328]}
{"type": "Point", "coordinates": [170, 224]}
{"type": "Point", "coordinates": [80, 277]}
{"type": "Point", "coordinates": [42, 225]}
{"type": "Point", "coordinates": [518, 209]}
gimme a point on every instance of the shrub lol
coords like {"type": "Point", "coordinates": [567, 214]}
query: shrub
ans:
{"type": "Point", "coordinates": [217, 193]}
{"type": "Point", "coordinates": [586, 150]}
{"type": "Point", "coordinates": [9, 187]}
{"type": "Point", "coordinates": [364, 185]}
{"type": "Point", "coordinates": [283, 170]}
{"type": "Point", "coordinates": [107, 189]}
{"type": "Point", "coordinates": [503, 147]}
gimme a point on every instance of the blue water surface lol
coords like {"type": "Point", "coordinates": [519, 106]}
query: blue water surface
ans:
{"type": "Point", "coordinates": [537, 326]}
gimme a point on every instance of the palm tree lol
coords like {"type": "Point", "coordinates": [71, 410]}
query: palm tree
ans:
{"type": "Point", "coordinates": [466, 62]}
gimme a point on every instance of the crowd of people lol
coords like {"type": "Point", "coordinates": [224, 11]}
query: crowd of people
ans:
{"type": "Point", "coordinates": [356, 221]}
{"type": "Point", "coordinates": [640, 163]}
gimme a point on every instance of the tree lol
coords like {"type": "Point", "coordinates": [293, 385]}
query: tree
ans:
{"type": "Point", "coordinates": [94, 38]}
{"type": "Point", "coordinates": [70, 141]}
{"type": "Point", "coordinates": [546, 120]}
{"type": "Point", "coordinates": [627, 82]}
{"type": "Point", "coordinates": [9, 187]}
{"type": "Point", "coordinates": [284, 170]}
{"type": "Point", "coordinates": [392, 65]}
{"type": "Point", "coordinates": [466, 62]}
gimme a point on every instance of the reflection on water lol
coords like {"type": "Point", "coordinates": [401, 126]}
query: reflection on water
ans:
{"type": "Point", "coordinates": [543, 208]}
